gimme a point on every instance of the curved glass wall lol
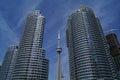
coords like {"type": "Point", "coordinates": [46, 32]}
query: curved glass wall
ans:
{"type": "Point", "coordinates": [30, 58]}
{"type": "Point", "coordinates": [88, 57]}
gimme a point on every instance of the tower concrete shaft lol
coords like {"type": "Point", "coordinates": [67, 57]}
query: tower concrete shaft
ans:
{"type": "Point", "coordinates": [59, 50]}
{"type": "Point", "coordinates": [59, 68]}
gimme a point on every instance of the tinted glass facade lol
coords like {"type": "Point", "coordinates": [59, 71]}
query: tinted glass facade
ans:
{"type": "Point", "coordinates": [31, 56]}
{"type": "Point", "coordinates": [114, 47]}
{"type": "Point", "coordinates": [0, 68]}
{"type": "Point", "coordinates": [89, 56]}
{"type": "Point", "coordinates": [114, 44]}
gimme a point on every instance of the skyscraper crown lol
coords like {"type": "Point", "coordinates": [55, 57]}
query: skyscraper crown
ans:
{"type": "Point", "coordinates": [85, 8]}
{"type": "Point", "coordinates": [35, 12]}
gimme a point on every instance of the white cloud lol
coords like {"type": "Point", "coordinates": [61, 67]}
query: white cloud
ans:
{"type": "Point", "coordinates": [105, 12]}
{"type": "Point", "coordinates": [6, 32]}
{"type": "Point", "coordinates": [26, 7]}
{"type": "Point", "coordinates": [8, 37]}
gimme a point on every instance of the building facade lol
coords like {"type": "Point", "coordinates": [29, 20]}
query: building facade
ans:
{"type": "Point", "coordinates": [30, 62]}
{"type": "Point", "coordinates": [0, 68]}
{"type": "Point", "coordinates": [89, 56]}
{"type": "Point", "coordinates": [114, 50]}
{"type": "Point", "coordinates": [7, 67]}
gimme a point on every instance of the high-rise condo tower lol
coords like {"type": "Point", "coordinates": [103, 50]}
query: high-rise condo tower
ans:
{"type": "Point", "coordinates": [7, 67]}
{"type": "Point", "coordinates": [30, 62]}
{"type": "Point", "coordinates": [114, 47]}
{"type": "Point", "coordinates": [89, 56]}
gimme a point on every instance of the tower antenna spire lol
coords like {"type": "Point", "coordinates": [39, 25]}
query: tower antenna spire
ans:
{"type": "Point", "coordinates": [59, 50]}
{"type": "Point", "coordinates": [59, 35]}
{"type": "Point", "coordinates": [59, 41]}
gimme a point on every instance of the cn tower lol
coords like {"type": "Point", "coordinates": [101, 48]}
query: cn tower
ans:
{"type": "Point", "coordinates": [59, 50]}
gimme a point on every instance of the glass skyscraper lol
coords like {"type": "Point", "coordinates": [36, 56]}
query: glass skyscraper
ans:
{"type": "Point", "coordinates": [114, 50]}
{"type": "Point", "coordinates": [89, 56]}
{"type": "Point", "coordinates": [8, 63]}
{"type": "Point", "coordinates": [31, 63]}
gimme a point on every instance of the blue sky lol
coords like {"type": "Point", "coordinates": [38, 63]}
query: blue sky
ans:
{"type": "Point", "coordinates": [13, 15]}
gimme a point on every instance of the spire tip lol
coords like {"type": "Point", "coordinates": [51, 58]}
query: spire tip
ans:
{"type": "Point", "coordinates": [59, 35]}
